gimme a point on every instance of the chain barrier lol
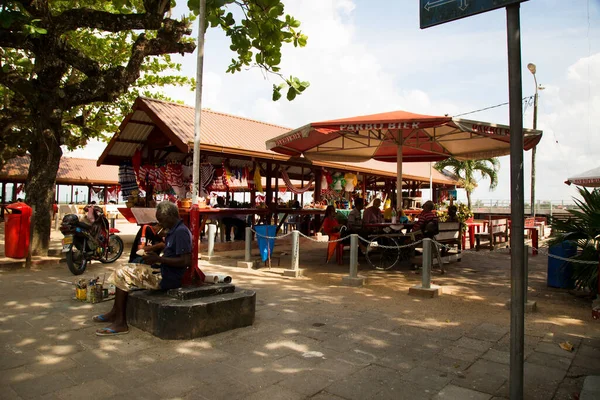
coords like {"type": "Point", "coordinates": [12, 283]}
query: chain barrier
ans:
{"type": "Point", "coordinates": [506, 250]}
{"type": "Point", "coordinates": [374, 243]}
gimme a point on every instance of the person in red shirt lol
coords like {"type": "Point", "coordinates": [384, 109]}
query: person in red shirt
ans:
{"type": "Point", "coordinates": [428, 214]}
{"type": "Point", "coordinates": [331, 227]}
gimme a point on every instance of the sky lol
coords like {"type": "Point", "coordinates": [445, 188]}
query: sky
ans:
{"type": "Point", "coordinates": [370, 56]}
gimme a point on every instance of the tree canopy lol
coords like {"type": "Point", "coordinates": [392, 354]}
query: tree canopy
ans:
{"type": "Point", "coordinates": [69, 70]}
{"type": "Point", "coordinates": [469, 170]}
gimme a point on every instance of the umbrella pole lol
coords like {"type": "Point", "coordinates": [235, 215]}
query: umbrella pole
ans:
{"type": "Point", "coordinates": [399, 176]}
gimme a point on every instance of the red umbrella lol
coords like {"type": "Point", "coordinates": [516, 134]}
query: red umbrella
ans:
{"type": "Point", "coordinates": [399, 136]}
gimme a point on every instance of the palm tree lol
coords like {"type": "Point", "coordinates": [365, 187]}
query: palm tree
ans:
{"type": "Point", "coordinates": [467, 172]}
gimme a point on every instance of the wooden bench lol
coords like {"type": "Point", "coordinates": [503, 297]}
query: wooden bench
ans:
{"type": "Point", "coordinates": [497, 231]}
{"type": "Point", "coordinates": [450, 234]}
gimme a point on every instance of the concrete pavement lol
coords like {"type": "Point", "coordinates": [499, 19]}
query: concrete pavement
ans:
{"type": "Point", "coordinates": [313, 338]}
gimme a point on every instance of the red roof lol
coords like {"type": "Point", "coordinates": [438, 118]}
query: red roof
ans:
{"type": "Point", "coordinates": [226, 134]}
{"type": "Point", "coordinates": [71, 171]}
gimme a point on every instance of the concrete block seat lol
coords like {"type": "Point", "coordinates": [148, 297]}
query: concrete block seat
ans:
{"type": "Point", "coordinates": [191, 312]}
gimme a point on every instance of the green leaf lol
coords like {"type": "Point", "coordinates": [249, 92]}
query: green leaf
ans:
{"type": "Point", "coordinates": [291, 94]}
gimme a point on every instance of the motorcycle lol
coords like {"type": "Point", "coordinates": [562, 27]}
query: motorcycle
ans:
{"type": "Point", "coordinates": [83, 242]}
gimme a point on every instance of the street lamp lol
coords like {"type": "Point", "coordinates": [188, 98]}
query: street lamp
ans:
{"type": "Point", "coordinates": [531, 67]}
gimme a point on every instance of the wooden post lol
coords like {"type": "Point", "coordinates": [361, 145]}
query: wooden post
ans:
{"type": "Point", "coordinates": [302, 184]}
{"type": "Point", "coordinates": [277, 166]}
{"type": "Point", "coordinates": [318, 176]}
{"type": "Point", "coordinates": [105, 194]}
{"type": "Point", "coordinates": [364, 187]}
{"type": "Point", "coordinates": [71, 194]}
{"type": "Point", "coordinates": [89, 199]}
{"type": "Point", "coordinates": [268, 189]}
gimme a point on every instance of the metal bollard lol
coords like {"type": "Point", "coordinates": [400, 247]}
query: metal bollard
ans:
{"type": "Point", "coordinates": [353, 255]}
{"type": "Point", "coordinates": [353, 279]}
{"type": "Point", "coordinates": [526, 269]}
{"type": "Point", "coordinates": [295, 250]}
{"type": "Point", "coordinates": [248, 243]}
{"type": "Point", "coordinates": [294, 270]}
{"type": "Point", "coordinates": [426, 270]}
{"type": "Point", "coordinates": [212, 231]}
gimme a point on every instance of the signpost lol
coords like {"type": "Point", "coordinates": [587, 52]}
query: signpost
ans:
{"type": "Point", "coordinates": [434, 12]}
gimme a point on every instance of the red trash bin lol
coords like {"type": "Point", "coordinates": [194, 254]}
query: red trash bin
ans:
{"type": "Point", "coordinates": [17, 225]}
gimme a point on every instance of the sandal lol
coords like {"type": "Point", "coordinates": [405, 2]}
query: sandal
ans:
{"type": "Point", "coordinates": [100, 318]}
{"type": "Point", "coordinates": [109, 332]}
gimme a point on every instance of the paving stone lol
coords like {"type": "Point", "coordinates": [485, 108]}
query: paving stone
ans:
{"type": "Point", "coordinates": [36, 387]}
{"type": "Point", "coordinates": [591, 363]}
{"type": "Point", "coordinates": [481, 382]}
{"type": "Point", "coordinates": [366, 383]}
{"type": "Point", "coordinates": [588, 351]}
{"type": "Point", "coordinates": [487, 331]}
{"type": "Point", "coordinates": [432, 379]}
{"type": "Point", "coordinates": [491, 368]}
{"type": "Point", "coordinates": [530, 392]}
{"type": "Point", "coordinates": [306, 382]}
{"type": "Point", "coordinates": [446, 364]}
{"type": "Point", "coordinates": [326, 396]}
{"type": "Point", "coordinates": [462, 353]}
{"type": "Point", "coordinates": [549, 360]}
{"type": "Point", "coordinates": [452, 392]}
{"type": "Point", "coordinates": [404, 391]}
{"type": "Point", "coordinates": [569, 388]}
{"type": "Point", "coordinates": [538, 375]}
{"type": "Point", "coordinates": [468, 343]}
{"type": "Point", "coordinates": [94, 389]}
{"type": "Point", "coordinates": [7, 393]}
{"type": "Point", "coordinates": [554, 349]}
{"type": "Point", "coordinates": [176, 385]}
{"type": "Point", "coordinates": [501, 357]}
{"type": "Point", "coordinates": [275, 393]}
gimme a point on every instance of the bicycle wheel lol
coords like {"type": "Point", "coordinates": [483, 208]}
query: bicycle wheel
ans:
{"type": "Point", "coordinates": [380, 255]}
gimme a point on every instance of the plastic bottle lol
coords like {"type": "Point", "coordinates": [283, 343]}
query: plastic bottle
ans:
{"type": "Point", "coordinates": [394, 215]}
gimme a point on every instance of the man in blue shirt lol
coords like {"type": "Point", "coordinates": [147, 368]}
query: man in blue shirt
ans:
{"type": "Point", "coordinates": [176, 259]}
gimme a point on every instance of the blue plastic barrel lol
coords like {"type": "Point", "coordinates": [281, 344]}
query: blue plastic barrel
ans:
{"type": "Point", "coordinates": [265, 246]}
{"type": "Point", "coordinates": [560, 272]}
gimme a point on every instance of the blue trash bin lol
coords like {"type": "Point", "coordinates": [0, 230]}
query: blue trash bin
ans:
{"type": "Point", "coordinates": [560, 273]}
{"type": "Point", "coordinates": [265, 246]}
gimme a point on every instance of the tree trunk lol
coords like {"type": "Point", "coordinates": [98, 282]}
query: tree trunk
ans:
{"type": "Point", "coordinates": [45, 158]}
{"type": "Point", "coordinates": [468, 199]}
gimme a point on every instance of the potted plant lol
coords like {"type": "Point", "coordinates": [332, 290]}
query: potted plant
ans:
{"type": "Point", "coordinates": [583, 231]}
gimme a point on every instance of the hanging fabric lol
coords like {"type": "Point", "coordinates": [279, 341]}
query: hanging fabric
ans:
{"type": "Point", "coordinates": [258, 180]}
{"type": "Point", "coordinates": [338, 182]}
{"type": "Point", "coordinates": [127, 179]}
{"type": "Point", "coordinates": [174, 176]}
{"type": "Point", "coordinates": [218, 184]}
{"type": "Point", "coordinates": [351, 182]}
{"type": "Point", "coordinates": [291, 188]}
{"type": "Point", "coordinates": [207, 174]}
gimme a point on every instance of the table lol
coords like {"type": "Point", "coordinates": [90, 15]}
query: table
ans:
{"type": "Point", "coordinates": [394, 227]}
{"type": "Point", "coordinates": [471, 227]}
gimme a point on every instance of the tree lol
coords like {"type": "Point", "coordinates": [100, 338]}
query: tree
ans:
{"type": "Point", "coordinates": [467, 172]}
{"type": "Point", "coordinates": [69, 69]}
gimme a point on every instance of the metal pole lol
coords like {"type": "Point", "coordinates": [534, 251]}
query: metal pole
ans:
{"type": "Point", "coordinates": [517, 307]}
{"type": "Point", "coordinates": [398, 172]}
{"type": "Point", "coordinates": [295, 250]}
{"type": "Point", "coordinates": [353, 255]}
{"type": "Point", "coordinates": [526, 268]}
{"type": "Point", "coordinates": [426, 269]}
{"type": "Point", "coordinates": [431, 182]}
{"type": "Point", "coordinates": [535, 109]}
{"type": "Point", "coordinates": [198, 107]}
{"type": "Point", "coordinates": [248, 243]}
{"type": "Point", "coordinates": [212, 230]}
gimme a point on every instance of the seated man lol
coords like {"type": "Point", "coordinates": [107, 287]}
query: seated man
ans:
{"type": "Point", "coordinates": [355, 219]}
{"type": "Point", "coordinates": [373, 214]}
{"type": "Point", "coordinates": [452, 211]}
{"type": "Point", "coordinates": [427, 215]}
{"type": "Point", "coordinates": [173, 263]}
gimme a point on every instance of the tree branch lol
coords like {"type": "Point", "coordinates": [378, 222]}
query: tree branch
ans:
{"type": "Point", "coordinates": [14, 40]}
{"type": "Point", "coordinates": [13, 80]}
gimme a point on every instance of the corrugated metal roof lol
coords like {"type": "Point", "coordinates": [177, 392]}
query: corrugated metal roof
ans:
{"type": "Point", "coordinates": [71, 171]}
{"type": "Point", "coordinates": [230, 133]}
